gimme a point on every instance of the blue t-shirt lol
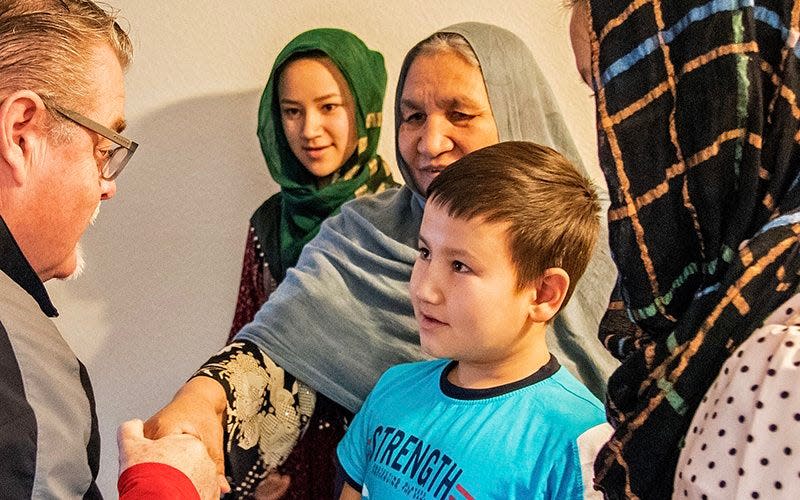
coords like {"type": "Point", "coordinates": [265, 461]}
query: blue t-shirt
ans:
{"type": "Point", "coordinates": [419, 436]}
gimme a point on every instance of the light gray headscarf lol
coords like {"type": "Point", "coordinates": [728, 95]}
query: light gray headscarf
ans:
{"type": "Point", "coordinates": [343, 315]}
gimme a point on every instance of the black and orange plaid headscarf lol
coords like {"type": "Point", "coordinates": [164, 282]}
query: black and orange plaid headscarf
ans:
{"type": "Point", "coordinates": [699, 133]}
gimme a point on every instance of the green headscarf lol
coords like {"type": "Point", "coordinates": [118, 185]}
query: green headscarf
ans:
{"type": "Point", "coordinates": [302, 205]}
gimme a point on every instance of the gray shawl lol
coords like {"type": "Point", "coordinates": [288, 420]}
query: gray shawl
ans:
{"type": "Point", "coordinates": [343, 315]}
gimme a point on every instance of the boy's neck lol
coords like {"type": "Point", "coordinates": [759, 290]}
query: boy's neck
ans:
{"type": "Point", "coordinates": [472, 374]}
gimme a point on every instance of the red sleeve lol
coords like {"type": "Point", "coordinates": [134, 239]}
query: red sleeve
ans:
{"type": "Point", "coordinates": [251, 288]}
{"type": "Point", "coordinates": [153, 481]}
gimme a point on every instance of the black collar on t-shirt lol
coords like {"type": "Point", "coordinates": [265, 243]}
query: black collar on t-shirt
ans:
{"type": "Point", "coordinates": [451, 390]}
{"type": "Point", "coordinates": [14, 264]}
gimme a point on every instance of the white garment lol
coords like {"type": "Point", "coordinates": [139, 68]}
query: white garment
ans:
{"type": "Point", "coordinates": [744, 439]}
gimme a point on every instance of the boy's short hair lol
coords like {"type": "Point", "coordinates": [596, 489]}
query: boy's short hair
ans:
{"type": "Point", "coordinates": [551, 209]}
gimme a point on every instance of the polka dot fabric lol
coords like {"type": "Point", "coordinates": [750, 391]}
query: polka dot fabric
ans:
{"type": "Point", "coordinates": [744, 439]}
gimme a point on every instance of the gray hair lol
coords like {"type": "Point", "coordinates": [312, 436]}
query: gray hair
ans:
{"type": "Point", "coordinates": [447, 42]}
{"type": "Point", "coordinates": [47, 46]}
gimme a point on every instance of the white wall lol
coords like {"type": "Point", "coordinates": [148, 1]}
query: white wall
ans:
{"type": "Point", "coordinates": [164, 258]}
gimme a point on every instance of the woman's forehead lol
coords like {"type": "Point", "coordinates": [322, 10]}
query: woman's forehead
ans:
{"type": "Point", "coordinates": [444, 73]}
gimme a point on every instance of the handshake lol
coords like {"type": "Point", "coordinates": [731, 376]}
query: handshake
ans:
{"type": "Point", "coordinates": [148, 465]}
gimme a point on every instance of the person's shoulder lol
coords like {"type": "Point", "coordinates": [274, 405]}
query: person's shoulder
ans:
{"type": "Point", "coordinates": [575, 388]}
{"type": "Point", "coordinates": [573, 402]}
{"type": "Point", "coordinates": [414, 371]}
{"type": "Point", "coordinates": [406, 380]}
{"type": "Point", "coordinates": [269, 206]}
{"type": "Point", "coordinates": [391, 216]}
{"type": "Point", "coordinates": [265, 218]}
{"type": "Point", "coordinates": [392, 199]}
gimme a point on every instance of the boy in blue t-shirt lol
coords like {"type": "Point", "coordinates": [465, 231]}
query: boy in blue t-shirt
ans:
{"type": "Point", "coordinates": [506, 234]}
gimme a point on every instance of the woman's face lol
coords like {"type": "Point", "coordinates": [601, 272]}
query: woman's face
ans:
{"type": "Point", "coordinates": [317, 114]}
{"type": "Point", "coordinates": [445, 114]}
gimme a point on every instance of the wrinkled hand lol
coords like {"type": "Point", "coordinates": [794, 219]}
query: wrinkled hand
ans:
{"type": "Point", "coordinates": [197, 410]}
{"type": "Point", "coordinates": [183, 452]}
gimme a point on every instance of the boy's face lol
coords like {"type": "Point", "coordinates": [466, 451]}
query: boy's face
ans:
{"type": "Point", "coordinates": [464, 291]}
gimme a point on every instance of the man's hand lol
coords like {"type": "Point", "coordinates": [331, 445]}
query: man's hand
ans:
{"type": "Point", "coordinates": [183, 452]}
{"type": "Point", "coordinates": [197, 410]}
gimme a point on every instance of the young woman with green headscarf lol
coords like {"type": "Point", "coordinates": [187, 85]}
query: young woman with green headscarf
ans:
{"type": "Point", "coordinates": [318, 124]}
{"type": "Point", "coordinates": [343, 315]}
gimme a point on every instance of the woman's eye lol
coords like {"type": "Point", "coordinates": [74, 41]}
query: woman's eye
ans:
{"type": "Point", "coordinates": [458, 116]}
{"type": "Point", "coordinates": [414, 118]}
{"type": "Point", "coordinates": [460, 267]}
{"type": "Point", "coordinates": [290, 112]}
{"type": "Point", "coordinates": [329, 107]}
{"type": "Point", "coordinates": [424, 253]}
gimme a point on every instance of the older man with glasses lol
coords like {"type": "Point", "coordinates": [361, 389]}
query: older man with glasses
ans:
{"type": "Point", "coordinates": [113, 159]}
{"type": "Point", "coordinates": [62, 101]}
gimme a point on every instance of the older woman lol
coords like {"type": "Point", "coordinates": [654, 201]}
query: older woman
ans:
{"type": "Point", "coordinates": [697, 105]}
{"type": "Point", "coordinates": [343, 315]}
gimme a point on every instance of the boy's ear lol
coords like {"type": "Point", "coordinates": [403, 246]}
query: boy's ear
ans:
{"type": "Point", "coordinates": [548, 294]}
{"type": "Point", "coordinates": [21, 132]}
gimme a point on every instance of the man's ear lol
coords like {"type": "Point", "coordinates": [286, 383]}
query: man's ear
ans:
{"type": "Point", "coordinates": [548, 294]}
{"type": "Point", "coordinates": [22, 134]}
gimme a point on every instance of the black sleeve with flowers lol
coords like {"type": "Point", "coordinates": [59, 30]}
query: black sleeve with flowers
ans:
{"type": "Point", "coordinates": [267, 411]}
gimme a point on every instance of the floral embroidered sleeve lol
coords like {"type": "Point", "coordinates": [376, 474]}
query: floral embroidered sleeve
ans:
{"type": "Point", "coordinates": [267, 412]}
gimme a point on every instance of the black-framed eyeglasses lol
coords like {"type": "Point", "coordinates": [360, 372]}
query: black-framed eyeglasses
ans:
{"type": "Point", "coordinates": [116, 158]}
